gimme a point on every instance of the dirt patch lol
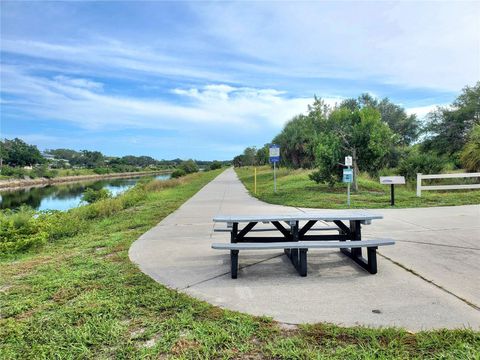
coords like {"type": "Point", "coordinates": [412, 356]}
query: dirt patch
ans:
{"type": "Point", "coordinates": [151, 342]}
{"type": "Point", "coordinates": [183, 345]}
{"type": "Point", "coordinates": [4, 288]}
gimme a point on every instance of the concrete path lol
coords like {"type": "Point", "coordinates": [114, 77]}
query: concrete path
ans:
{"type": "Point", "coordinates": [441, 246]}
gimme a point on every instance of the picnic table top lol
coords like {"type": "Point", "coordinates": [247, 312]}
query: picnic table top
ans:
{"type": "Point", "coordinates": [306, 216]}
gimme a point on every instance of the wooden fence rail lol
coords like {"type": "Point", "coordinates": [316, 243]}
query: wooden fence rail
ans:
{"type": "Point", "coordinates": [421, 177]}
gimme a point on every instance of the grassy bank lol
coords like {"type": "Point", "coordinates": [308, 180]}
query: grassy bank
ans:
{"type": "Point", "coordinates": [76, 295]}
{"type": "Point", "coordinates": [294, 188]}
{"type": "Point", "coordinates": [9, 173]}
{"type": "Point", "coordinates": [28, 182]}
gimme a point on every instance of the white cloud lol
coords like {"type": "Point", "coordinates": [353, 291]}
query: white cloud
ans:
{"type": "Point", "coordinates": [78, 82]}
{"type": "Point", "coordinates": [80, 101]}
{"type": "Point", "coordinates": [423, 111]}
{"type": "Point", "coordinates": [109, 56]}
{"type": "Point", "coordinates": [419, 44]}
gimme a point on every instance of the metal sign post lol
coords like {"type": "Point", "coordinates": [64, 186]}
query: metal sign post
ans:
{"type": "Point", "coordinates": [348, 176]}
{"type": "Point", "coordinates": [274, 158]}
{"type": "Point", "coordinates": [274, 178]}
{"type": "Point", "coordinates": [348, 194]}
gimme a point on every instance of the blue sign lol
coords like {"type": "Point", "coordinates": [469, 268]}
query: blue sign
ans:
{"type": "Point", "coordinates": [274, 153]}
{"type": "Point", "coordinates": [347, 176]}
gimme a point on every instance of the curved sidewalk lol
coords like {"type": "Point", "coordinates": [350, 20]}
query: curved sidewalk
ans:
{"type": "Point", "coordinates": [429, 279]}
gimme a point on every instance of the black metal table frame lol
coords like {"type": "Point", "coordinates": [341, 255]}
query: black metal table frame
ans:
{"type": "Point", "coordinates": [296, 233]}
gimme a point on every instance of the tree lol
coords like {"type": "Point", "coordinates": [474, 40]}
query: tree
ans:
{"type": "Point", "coordinates": [298, 140]}
{"type": "Point", "coordinates": [139, 161]}
{"type": "Point", "coordinates": [359, 133]}
{"type": "Point", "coordinates": [249, 156]}
{"type": "Point", "coordinates": [64, 154]}
{"type": "Point", "coordinates": [239, 161]}
{"type": "Point", "coordinates": [262, 156]}
{"type": "Point", "coordinates": [215, 165]}
{"type": "Point", "coordinates": [405, 126]}
{"type": "Point", "coordinates": [16, 152]}
{"type": "Point", "coordinates": [470, 155]}
{"type": "Point", "coordinates": [91, 159]}
{"type": "Point", "coordinates": [328, 158]}
{"type": "Point", "coordinates": [448, 127]}
{"type": "Point", "coordinates": [189, 166]}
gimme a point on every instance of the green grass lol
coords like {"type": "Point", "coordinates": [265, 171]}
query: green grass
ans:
{"type": "Point", "coordinates": [79, 297]}
{"type": "Point", "coordinates": [294, 188]}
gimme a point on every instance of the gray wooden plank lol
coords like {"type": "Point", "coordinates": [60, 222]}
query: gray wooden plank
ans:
{"type": "Point", "coordinates": [318, 216]}
{"type": "Point", "coordinates": [303, 245]}
{"type": "Point", "coordinates": [325, 228]}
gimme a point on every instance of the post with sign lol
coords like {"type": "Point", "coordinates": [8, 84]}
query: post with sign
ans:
{"type": "Point", "coordinates": [274, 158]}
{"type": "Point", "coordinates": [392, 181]}
{"type": "Point", "coordinates": [348, 176]}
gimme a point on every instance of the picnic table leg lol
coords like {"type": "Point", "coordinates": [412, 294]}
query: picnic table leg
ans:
{"type": "Point", "coordinates": [355, 229]}
{"type": "Point", "coordinates": [369, 264]}
{"type": "Point", "coordinates": [372, 260]}
{"type": "Point", "coordinates": [234, 253]}
{"type": "Point", "coordinates": [298, 257]}
{"type": "Point", "coordinates": [234, 263]}
{"type": "Point", "coordinates": [294, 252]}
{"type": "Point", "coordinates": [302, 266]}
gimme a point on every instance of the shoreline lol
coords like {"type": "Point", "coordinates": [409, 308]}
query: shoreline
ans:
{"type": "Point", "coordinates": [16, 184]}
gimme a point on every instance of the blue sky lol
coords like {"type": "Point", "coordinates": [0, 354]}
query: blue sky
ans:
{"type": "Point", "coordinates": [206, 79]}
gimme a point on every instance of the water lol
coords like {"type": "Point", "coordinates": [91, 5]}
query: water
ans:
{"type": "Point", "coordinates": [64, 196]}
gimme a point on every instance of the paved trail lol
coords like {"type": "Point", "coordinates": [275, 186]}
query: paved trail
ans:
{"type": "Point", "coordinates": [440, 245]}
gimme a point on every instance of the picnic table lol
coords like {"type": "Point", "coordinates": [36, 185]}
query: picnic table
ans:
{"type": "Point", "coordinates": [296, 235]}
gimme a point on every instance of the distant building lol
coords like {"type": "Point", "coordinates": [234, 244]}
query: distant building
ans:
{"type": "Point", "coordinates": [48, 156]}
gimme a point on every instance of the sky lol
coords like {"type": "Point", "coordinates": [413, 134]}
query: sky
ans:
{"type": "Point", "coordinates": [204, 80]}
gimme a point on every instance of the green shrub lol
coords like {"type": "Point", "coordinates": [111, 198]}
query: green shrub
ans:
{"type": "Point", "coordinates": [470, 155]}
{"type": "Point", "coordinates": [17, 172]}
{"type": "Point", "coordinates": [328, 156]}
{"type": "Point", "coordinates": [44, 172]}
{"type": "Point", "coordinates": [388, 171]}
{"type": "Point", "coordinates": [216, 165]}
{"type": "Point", "coordinates": [101, 209]}
{"type": "Point", "coordinates": [133, 197]}
{"type": "Point", "coordinates": [425, 163]}
{"type": "Point", "coordinates": [189, 166]}
{"type": "Point", "coordinates": [20, 230]}
{"type": "Point", "coordinates": [91, 195]}
{"type": "Point", "coordinates": [101, 171]}
{"type": "Point", "coordinates": [59, 224]}
{"type": "Point", "coordinates": [178, 173]}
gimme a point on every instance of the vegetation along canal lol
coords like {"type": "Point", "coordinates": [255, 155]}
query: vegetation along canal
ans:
{"type": "Point", "coordinates": [64, 196]}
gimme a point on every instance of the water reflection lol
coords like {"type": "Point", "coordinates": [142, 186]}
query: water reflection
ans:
{"type": "Point", "coordinates": [64, 196]}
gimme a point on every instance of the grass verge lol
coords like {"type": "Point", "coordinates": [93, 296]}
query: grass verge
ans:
{"type": "Point", "coordinates": [79, 296]}
{"type": "Point", "coordinates": [294, 188]}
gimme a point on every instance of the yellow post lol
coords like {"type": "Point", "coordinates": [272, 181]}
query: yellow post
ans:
{"type": "Point", "coordinates": [255, 182]}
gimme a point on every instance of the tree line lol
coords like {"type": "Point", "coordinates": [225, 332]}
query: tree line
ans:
{"type": "Point", "coordinates": [379, 135]}
{"type": "Point", "coordinates": [15, 154]}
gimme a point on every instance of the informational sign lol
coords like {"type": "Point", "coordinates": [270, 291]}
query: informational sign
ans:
{"type": "Point", "coordinates": [347, 176]}
{"type": "Point", "coordinates": [348, 161]}
{"type": "Point", "coordinates": [392, 181]}
{"type": "Point", "coordinates": [274, 153]}
{"type": "Point", "coordinates": [274, 158]}
{"type": "Point", "coordinates": [388, 180]}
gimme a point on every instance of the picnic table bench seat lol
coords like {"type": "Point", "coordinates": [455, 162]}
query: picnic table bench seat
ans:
{"type": "Point", "coordinates": [297, 251]}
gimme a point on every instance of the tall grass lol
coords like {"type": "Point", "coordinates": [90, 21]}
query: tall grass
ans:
{"type": "Point", "coordinates": [25, 228]}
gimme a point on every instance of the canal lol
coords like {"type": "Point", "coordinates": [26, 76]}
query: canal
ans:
{"type": "Point", "coordinates": [64, 196]}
